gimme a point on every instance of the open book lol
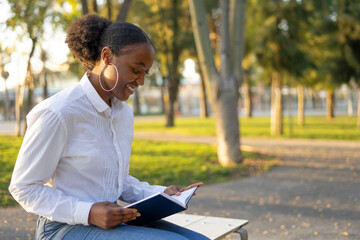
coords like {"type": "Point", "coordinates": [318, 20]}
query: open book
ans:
{"type": "Point", "coordinates": [160, 205]}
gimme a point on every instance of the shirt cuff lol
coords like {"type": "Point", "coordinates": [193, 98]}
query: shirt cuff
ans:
{"type": "Point", "coordinates": [161, 188]}
{"type": "Point", "coordinates": [81, 214]}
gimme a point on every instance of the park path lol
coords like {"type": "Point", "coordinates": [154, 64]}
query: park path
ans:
{"type": "Point", "coordinates": [313, 194]}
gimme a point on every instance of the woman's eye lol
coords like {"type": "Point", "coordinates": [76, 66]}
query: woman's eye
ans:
{"type": "Point", "coordinates": [136, 71]}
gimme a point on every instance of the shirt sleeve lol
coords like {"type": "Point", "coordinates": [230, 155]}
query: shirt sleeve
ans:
{"type": "Point", "coordinates": [40, 152]}
{"type": "Point", "coordinates": [134, 190]}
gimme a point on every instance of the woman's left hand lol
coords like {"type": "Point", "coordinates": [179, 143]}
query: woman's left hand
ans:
{"type": "Point", "coordinates": [175, 190]}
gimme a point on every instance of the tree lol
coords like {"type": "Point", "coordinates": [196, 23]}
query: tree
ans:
{"type": "Point", "coordinates": [95, 6]}
{"type": "Point", "coordinates": [349, 38]}
{"type": "Point", "coordinates": [44, 82]}
{"type": "Point", "coordinates": [278, 50]}
{"type": "Point", "coordinates": [173, 68]}
{"type": "Point", "coordinates": [168, 25]}
{"type": "Point", "coordinates": [4, 60]}
{"type": "Point", "coordinates": [85, 7]}
{"type": "Point", "coordinates": [339, 42]}
{"type": "Point", "coordinates": [123, 11]}
{"type": "Point", "coordinates": [30, 16]}
{"type": "Point", "coordinates": [222, 88]}
{"type": "Point", "coordinates": [253, 18]}
{"type": "Point", "coordinates": [204, 113]}
{"type": "Point", "coordinates": [5, 75]}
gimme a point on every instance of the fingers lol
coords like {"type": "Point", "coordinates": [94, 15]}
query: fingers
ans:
{"type": "Point", "coordinates": [118, 210]}
{"type": "Point", "coordinates": [198, 184]}
{"type": "Point", "coordinates": [123, 218]}
{"type": "Point", "coordinates": [125, 214]}
{"type": "Point", "coordinates": [108, 215]}
{"type": "Point", "coordinates": [173, 190]}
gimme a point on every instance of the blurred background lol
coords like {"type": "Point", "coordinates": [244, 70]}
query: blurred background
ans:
{"type": "Point", "coordinates": [313, 47]}
{"type": "Point", "coordinates": [264, 72]}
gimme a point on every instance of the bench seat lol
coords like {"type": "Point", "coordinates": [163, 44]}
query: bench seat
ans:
{"type": "Point", "coordinates": [212, 227]}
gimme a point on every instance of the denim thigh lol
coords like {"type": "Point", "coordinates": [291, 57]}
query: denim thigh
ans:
{"type": "Point", "coordinates": [51, 230]}
{"type": "Point", "coordinates": [160, 230]}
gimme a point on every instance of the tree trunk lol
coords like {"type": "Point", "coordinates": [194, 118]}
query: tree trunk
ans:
{"type": "Point", "coordinates": [247, 95]}
{"type": "Point", "coordinates": [5, 76]}
{"type": "Point", "coordinates": [172, 91]}
{"type": "Point", "coordinates": [300, 110]}
{"type": "Point", "coordinates": [276, 106]}
{"type": "Point", "coordinates": [29, 82]}
{"type": "Point", "coordinates": [237, 26]}
{"type": "Point", "coordinates": [109, 8]}
{"type": "Point", "coordinates": [236, 31]}
{"type": "Point", "coordinates": [95, 6]}
{"type": "Point", "coordinates": [330, 97]}
{"type": "Point", "coordinates": [227, 128]}
{"type": "Point", "coordinates": [6, 104]}
{"type": "Point", "coordinates": [85, 8]}
{"type": "Point", "coordinates": [204, 113]}
{"type": "Point", "coordinates": [163, 100]}
{"type": "Point", "coordinates": [315, 99]}
{"type": "Point", "coordinates": [358, 107]}
{"type": "Point", "coordinates": [121, 17]}
{"type": "Point", "coordinates": [173, 85]}
{"type": "Point", "coordinates": [170, 112]}
{"type": "Point", "coordinates": [44, 84]}
{"type": "Point", "coordinates": [350, 106]}
{"type": "Point", "coordinates": [19, 104]}
{"type": "Point", "coordinates": [136, 103]}
{"type": "Point", "coordinates": [222, 91]}
{"type": "Point", "coordinates": [227, 123]}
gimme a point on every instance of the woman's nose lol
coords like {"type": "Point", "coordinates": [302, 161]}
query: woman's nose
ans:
{"type": "Point", "coordinates": [140, 80]}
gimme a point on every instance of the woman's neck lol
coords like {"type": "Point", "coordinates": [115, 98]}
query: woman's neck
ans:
{"type": "Point", "coordinates": [94, 79]}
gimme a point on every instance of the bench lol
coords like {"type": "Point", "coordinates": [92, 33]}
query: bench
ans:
{"type": "Point", "coordinates": [212, 227]}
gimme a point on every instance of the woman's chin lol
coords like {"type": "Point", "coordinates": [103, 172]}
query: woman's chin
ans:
{"type": "Point", "coordinates": [123, 98]}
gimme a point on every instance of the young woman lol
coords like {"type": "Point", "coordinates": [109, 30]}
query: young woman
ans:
{"type": "Point", "coordinates": [73, 164]}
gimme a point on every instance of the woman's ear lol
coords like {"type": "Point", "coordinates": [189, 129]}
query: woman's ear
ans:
{"type": "Point", "coordinates": [106, 54]}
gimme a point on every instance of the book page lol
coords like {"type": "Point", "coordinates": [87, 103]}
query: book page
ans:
{"type": "Point", "coordinates": [185, 196]}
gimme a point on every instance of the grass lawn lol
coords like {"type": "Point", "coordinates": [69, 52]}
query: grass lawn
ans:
{"type": "Point", "coordinates": [168, 163]}
{"type": "Point", "coordinates": [341, 128]}
{"type": "Point", "coordinates": [163, 163]}
{"type": "Point", "coordinates": [9, 148]}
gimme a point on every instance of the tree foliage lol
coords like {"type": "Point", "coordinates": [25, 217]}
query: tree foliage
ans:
{"type": "Point", "coordinates": [168, 25]}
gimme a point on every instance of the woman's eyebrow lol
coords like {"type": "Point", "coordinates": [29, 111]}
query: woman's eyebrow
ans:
{"type": "Point", "coordinates": [141, 63]}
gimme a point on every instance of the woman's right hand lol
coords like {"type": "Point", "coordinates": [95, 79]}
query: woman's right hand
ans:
{"type": "Point", "coordinates": [109, 215]}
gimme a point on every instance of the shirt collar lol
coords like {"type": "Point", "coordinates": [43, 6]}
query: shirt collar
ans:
{"type": "Point", "coordinates": [92, 95]}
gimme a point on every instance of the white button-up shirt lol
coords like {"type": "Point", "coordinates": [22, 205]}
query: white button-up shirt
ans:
{"type": "Point", "coordinates": [76, 152]}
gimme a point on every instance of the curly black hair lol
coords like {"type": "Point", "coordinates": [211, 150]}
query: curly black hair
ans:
{"type": "Point", "coordinates": [87, 36]}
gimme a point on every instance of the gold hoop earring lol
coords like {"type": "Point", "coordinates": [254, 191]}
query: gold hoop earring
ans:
{"type": "Point", "coordinates": [117, 77]}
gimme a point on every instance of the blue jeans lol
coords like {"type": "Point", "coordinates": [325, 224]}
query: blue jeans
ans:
{"type": "Point", "coordinates": [160, 230]}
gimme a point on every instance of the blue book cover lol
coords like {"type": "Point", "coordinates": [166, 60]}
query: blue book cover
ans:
{"type": "Point", "coordinates": [160, 205]}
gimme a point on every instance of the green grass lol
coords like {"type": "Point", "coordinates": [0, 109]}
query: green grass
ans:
{"type": "Point", "coordinates": [9, 148]}
{"type": "Point", "coordinates": [167, 163]}
{"type": "Point", "coordinates": [163, 163]}
{"type": "Point", "coordinates": [342, 128]}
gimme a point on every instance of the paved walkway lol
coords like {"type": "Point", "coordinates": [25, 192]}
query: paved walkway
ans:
{"type": "Point", "coordinates": [313, 194]}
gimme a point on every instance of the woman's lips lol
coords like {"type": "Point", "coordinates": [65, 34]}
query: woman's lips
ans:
{"type": "Point", "coordinates": [131, 88]}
